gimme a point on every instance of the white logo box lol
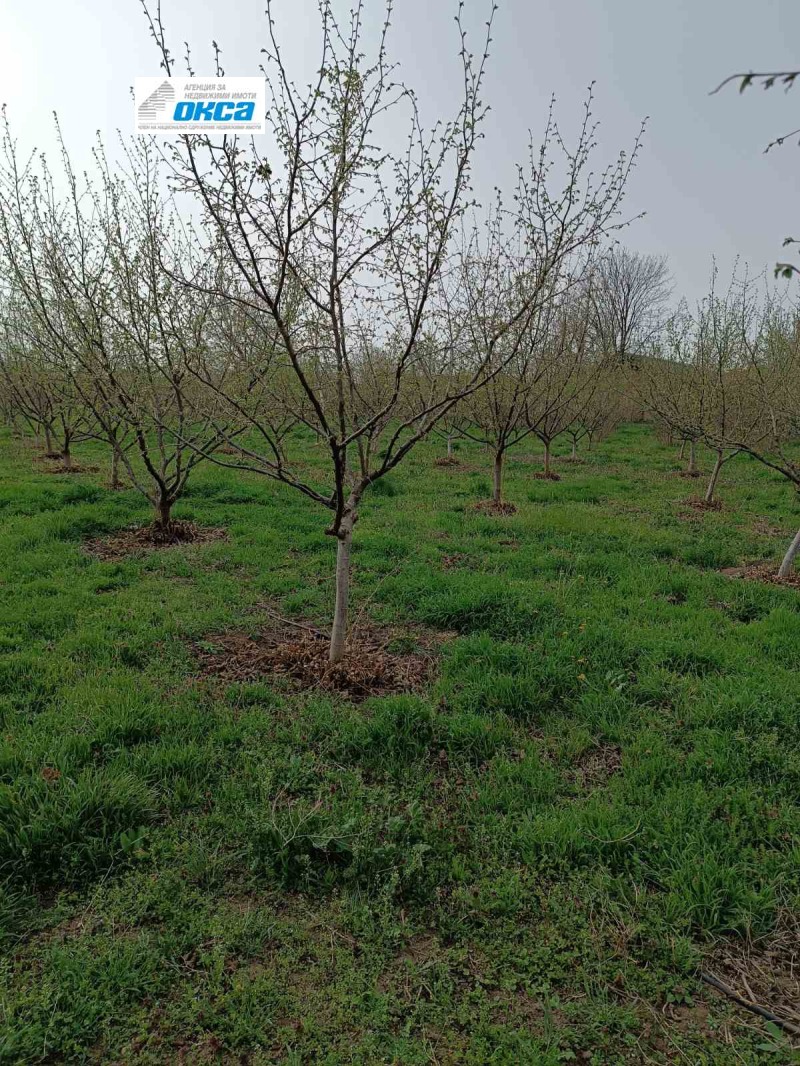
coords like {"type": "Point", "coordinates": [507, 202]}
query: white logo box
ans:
{"type": "Point", "coordinates": [174, 106]}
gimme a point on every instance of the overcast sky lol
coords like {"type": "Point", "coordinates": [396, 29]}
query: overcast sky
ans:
{"type": "Point", "coordinates": [704, 180]}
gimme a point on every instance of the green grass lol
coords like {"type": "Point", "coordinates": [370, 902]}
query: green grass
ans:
{"type": "Point", "coordinates": [199, 872]}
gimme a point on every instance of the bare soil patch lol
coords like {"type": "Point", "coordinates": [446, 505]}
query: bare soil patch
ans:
{"type": "Point", "coordinates": [676, 598]}
{"type": "Point", "coordinates": [764, 971]}
{"type": "Point", "coordinates": [136, 539]}
{"type": "Point", "coordinates": [492, 507]}
{"type": "Point", "coordinates": [766, 528]}
{"type": "Point", "coordinates": [418, 953]}
{"type": "Point", "coordinates": [596, 766]}
{"type": "Point", "coordinates": [54, 464]}
{"type": "Point", "coordinates": [697, 503]}
{"type": "Point", "coordinates": [766, 572]}
{"type": "Point", "coordinates": [454, 561]}
{"type": "Point", "coordinates": [540, 475]}
{"type": "Point", "coordinates": [446, 460]}
{"type": "Point", "coordinates": [691, 474]}
{"type": "Point", "coordinates": [75, 468]}
{"type": "Point", "coordinates": [300, 656]}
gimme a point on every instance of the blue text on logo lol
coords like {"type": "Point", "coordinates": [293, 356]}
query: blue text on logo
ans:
{"type": "Point", "coordinates": [210, 111]}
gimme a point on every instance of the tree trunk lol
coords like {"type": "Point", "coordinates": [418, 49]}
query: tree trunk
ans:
{"type": "Point", "coordinates": [115, 479]}
{"type": "Point", "coordinates": [547, 457]}
{"type": "Point", "coordinates": [48, 439]}
{"type": "Point", "coordinates": [788, 559]}
{"type": "Point", "coordinates": [497, 477]}
{"type": "Point", "coordinates": [339, 629]}
{"type": "Point", "coordinates": [683, 449]}
{"type": "Point", "coordinates": [449, 446]}
{"type": "Point", "coordinates": [692, 457]}
{"type": "Point", "coordinates": [712, 484]}
{"type": "Point", "coordinates": [66, 455]}
{"type": "Point", "coordinates": [164, 514]}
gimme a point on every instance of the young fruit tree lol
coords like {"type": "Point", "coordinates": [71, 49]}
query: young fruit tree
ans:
{"type": "Point", "coordinates": [345, 249]}
{"type": "Point", "coordinates": [596, 408]}
{"type": "Point", "coordinates": [769, 379]}
{"type": "Point", "coordinates": [495, 414]}
{"type": "Point", "coordinates": [537, 389]}
{"type": "Point", "coordinates": [670, 384]}
{"type": "Point", "coordinates": [85, 261]}
{"type": "Point", "coordinates": [698, 386]}
{"type": "Point", "coordinates": [450, 428]}
{"type": "Point", "coordinates": [570, 369]}
{"type": "Point", "coordinates": [34, 387]}
{"type": "Point", "coordinates": [725, 326]}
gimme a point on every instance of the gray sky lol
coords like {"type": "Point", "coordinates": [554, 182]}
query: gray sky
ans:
{"type": "Point", "coordinates": [703, 179]}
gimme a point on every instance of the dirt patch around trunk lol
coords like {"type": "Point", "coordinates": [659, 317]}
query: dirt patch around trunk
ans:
{"type": "Point", "coordinates": [495, 507]}
{"type": "Point", "coordinates": [697, 503]}
{"type": "Point", "coordinates": [75, 468]}
{"type": "Point", "coordinates": [372, 667]}
{"type": "Point", "coordinates": [138, 539]}
{"type": "Point", "coordinates": [766, 572]}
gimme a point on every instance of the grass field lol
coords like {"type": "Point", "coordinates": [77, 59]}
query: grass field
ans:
{"type": "Point", "coordinates": [531, 861]}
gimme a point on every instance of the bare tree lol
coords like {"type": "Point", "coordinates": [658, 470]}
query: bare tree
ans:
{"type": "Point", "coordinates": [724, 329]}
{"type": "Point", "coordinates": [36, 386]}
{"type": "Point", "coordinates": [698, 384]}
{"type": "Point", "coordinates": [496, 412]}
{"type": "Point", "coordinates": [671, 384]}
{"type": "Point", "coordinates": [342, 247]}
{"type": "Point", "coordinates": [596, 408]}
{"type": "Point", "coordinates": [28, 392]}
{"type": "Point", "coordinates": [770, 378]}
{"type": "Point", "coordinates": [87, 267]}
{"type": "Point", "coordinates": [449, 428]}
{"type": "Point", "coordinates": [628, 296]}
{"type": "Point", "coordinates": [569, 371]}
